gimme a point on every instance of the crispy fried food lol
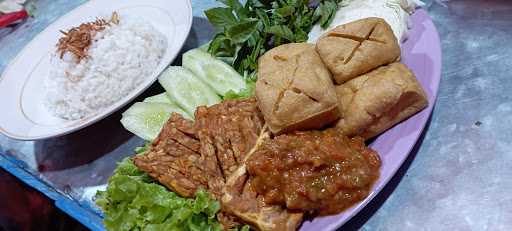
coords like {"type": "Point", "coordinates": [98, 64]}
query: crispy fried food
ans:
{"type": "Point", "coordinates": [78, 39]}
{"type": "Point", "coordinates": [294, 89]}
{"type": "Point", "coordinates": [227, 131]}
{"type": "Point", "coordinates": [174, 159]}
{"type": "Point", "coordinates": [355, 48]}
{"type": "Point", "coordinates": [187, 156]}
{"type": "Point", "coordinates": [374, 102]}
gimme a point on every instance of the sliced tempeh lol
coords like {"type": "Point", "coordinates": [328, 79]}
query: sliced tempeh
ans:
{"type": "Point", "coordinates": [187, 155]}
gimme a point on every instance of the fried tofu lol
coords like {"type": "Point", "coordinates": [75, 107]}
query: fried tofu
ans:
{"type": "Point", "coordinates": [294, 89]}
{"type": "Point", "coordinates": [358, 47]}
{"type": "Point", "coordinates": [375, 102]}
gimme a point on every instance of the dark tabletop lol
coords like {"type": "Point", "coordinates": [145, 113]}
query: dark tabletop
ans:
{"type": "Point", "coordinates": [458, 177]}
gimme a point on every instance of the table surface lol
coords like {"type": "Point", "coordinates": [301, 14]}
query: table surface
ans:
{"type": "Point", "coordinates": [457, 177]}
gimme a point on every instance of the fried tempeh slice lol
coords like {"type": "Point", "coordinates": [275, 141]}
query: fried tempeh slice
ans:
{"type": "Point", "coordinates": [206, 154]}
{"type": "Point", "coordinates": [228, 131]}
{"type": "Point", "coordinates": [190, 155]}
{"type": "Point", "coordinates": [174, 159]}
{"type": "Point", "coordinates": [187, 156]}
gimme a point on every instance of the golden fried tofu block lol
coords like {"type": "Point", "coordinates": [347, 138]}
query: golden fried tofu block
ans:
{"type": "Point", "coordinates": [375, 102]}
{"type": "Point", "coordinates": [358, 47]}
{"type": "Point", "coordinates": [294, 89]}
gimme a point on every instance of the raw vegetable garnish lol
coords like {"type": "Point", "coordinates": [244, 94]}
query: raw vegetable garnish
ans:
{"type": "Point", "coordinates": [245, 93]}
{"type": "Point", "coordinates": [248, 30]}
{"type": "Point", "coordinates": [133, 201]}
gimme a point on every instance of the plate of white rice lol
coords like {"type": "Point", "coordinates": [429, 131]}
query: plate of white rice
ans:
{"type": "Point", "coordinates": [90, 63]}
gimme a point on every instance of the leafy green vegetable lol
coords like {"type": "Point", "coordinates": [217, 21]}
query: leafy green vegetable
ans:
{"type": "Point", "coordinates": [244, 93]}
{"type": "Point", "coordinates": [281, 31]}
{"type": "Point", "coordinates": [248, 30]}
{"type": "Point", "coordinates": [221, 17]}
{"type": "Point", "coordinates": [140, 150]}
{"type": "Point", "coordinates": [241, 32]}
{"type": "Point", "coordinates": [326, 11]}
{"type": "Point", "coordinates": [245, 228]}
{"type": "Point", "coordinates": [133, 201]}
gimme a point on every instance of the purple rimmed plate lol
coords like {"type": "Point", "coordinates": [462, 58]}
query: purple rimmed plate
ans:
{"type": "Point", "coordinates": [422, 54]}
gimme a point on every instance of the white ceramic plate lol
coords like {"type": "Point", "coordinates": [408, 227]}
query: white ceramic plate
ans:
{"type": "Point", "coordinates": [22, 90]}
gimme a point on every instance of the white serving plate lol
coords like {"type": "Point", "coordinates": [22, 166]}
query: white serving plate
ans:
{"type": "Point", "coordinates": [22, 92]}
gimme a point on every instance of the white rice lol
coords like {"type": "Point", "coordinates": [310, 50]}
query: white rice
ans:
{"type": "Point", "coordinates": [120, 59]}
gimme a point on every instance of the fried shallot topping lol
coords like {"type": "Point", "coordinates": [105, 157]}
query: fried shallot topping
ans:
{"type": "Point", "coordinates": [78, 39]}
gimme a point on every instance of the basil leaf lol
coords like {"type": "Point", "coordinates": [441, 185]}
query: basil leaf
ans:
{"type": "Point", "coordinates": [300, 36]}
{"type": "Point", "coordinates": [326, 11]}
{"type": "Point", "coordinates": [263, 24]}
{"type": "Point", "coordinates": [256, 52]}
{"type": "Point", "coordinates": [235, 55]}
{"type": "Point", "coordinates": [220, 17]}
{"type": "Point", "coordinates": [285, 11]}
{"type": "Point", "coordinates": [231, 3]}
{"type": "Point", "coordinates": [237, 7]}
{"type": "Point", "coordinates": [254, 38]}
{"type": "Point", "coordinates": [263, 17]}
{"type": "Point", "coordinates": [241, 62]}
{"type": "Point", "coordinates": [221, 46]}
{"type": "Point", "coordinates": [255, 3]}
{"type": "Point", "coordinates": [240, 32]}
{"type": "Point", "coordinates": [281, 31]}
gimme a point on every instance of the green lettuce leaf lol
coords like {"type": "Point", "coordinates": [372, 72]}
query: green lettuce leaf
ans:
{"type": "Point", "coordinates": [133, 201]}
{"type": "Point", "coordinates": [243, 94]}
{"type": "Point", "coordinates": [143, 149]}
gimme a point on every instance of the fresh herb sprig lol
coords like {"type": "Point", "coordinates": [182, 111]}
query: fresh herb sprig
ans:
{"type": "Point", "coordinates": [247, 30]}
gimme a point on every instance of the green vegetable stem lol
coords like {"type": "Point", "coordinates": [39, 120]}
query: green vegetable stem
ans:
{"type": "Point", "coordinates": [247, 30]}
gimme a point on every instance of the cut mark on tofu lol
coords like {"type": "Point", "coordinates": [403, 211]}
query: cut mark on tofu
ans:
{"type": "Point", "coordinates": [280, 58]}
{"type": "Point", "coordinates": [347, 36]}
{"type": "Point", "coordinates": [352, 53]}
{"type": "Point", "coordinates": [299, 91]}
{"type": "Point", "coordinates": [283, 90]}
{"type": "Point", "coordinates": [376, 40]}
{"type": "Point", "coordinates": [359, 40]}
{"type": "Point", "coordinates": [278, 101]}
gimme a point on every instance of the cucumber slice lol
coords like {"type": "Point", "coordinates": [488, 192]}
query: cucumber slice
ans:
{"type": "Point", "coordinates": [186, 90]}
{"type": "Point", "coordinates": [212, 71]}
{"type": "Point", "coordinates": [147, 119]}
{"type": "Point", "coordinates": [160, 98]}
